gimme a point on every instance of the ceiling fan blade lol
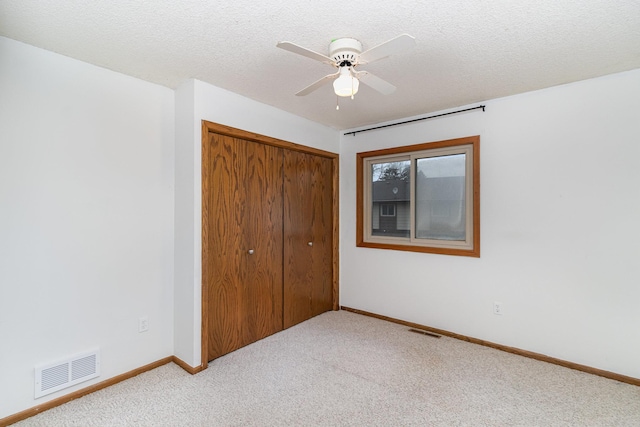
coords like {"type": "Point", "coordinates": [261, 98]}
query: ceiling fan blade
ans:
{"type": "Point", "coordinates": [315, 85]}
{"type": "Point", "coordinates": [375, 82]}
{"type": "Point", "coordinates": [396, 45]}
{"type": "Point", "coordinates": [292, 47]}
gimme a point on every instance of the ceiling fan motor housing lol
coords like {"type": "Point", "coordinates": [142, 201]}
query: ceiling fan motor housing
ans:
{"type": "Point", "coordinates": [345, 50]}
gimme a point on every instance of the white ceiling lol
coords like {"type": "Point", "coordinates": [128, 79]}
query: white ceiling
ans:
{"type": "Point", "coordinates": [467, 51]}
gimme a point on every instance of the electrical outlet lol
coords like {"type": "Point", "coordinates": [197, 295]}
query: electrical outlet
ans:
{"type": "Point", "coordinates": [497, 308]}
{"type": "Point", "coordinates": [143, 324]}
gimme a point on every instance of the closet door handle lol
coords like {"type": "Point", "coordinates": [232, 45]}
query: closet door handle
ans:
{"type": "Point", "coordinates": [250, 251]}
{"type": "Point", "coordinates": [310, 243]}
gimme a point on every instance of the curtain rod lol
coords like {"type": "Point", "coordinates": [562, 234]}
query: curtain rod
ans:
{"type": "Point", "coordinates": [415, 120]}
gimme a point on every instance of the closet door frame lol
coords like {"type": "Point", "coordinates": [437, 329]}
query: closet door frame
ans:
{"type": "Point", "coordinates": [210, 127]}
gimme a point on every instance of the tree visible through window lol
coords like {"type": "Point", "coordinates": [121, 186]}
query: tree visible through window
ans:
{"type": "Point", "coordinates": [390, 199]}
{"type": "Point", "coordinates": [421, 198]}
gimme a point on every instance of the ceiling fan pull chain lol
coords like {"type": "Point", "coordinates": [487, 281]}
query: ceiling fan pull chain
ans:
{"type": "Point", "coordinates": [337, 102]}
{"type": "Point", "coordinates": [352, 79]}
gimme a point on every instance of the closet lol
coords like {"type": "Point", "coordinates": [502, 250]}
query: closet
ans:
{"type": "Point", "coordinates": [269, 255]}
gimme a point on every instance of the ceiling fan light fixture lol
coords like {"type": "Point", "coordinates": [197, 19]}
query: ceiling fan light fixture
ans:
{"type": "Point", "coordinates": [346, 55]}
{"type": "Point", "coordinates": [346, 84]}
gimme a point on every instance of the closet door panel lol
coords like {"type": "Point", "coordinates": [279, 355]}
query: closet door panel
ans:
{"type": "Point", "coordinates": [225, 263]}
{"type": "Point", "coordinates": [298, 209]}
{"type": "Point", "coordinates": [307, 236]}
{"type": "Point", "coordinates": [262, 224]}
{"type": "Point", "coordinates": [245, 239]}
{"type": "Point", "coordinates": [322, 232]}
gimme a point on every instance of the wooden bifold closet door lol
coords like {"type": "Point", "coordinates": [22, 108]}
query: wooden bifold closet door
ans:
{"type": "Point", "coordinates": [269, 254]}
{"type": "Point", "coordinates": [245, 231]}
{"type": "Point", "coordinates": [307, 236]}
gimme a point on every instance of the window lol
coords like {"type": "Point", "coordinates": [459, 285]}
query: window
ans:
{"type": "Point", "coordinates": [387, 210]}
{"type": "Point", "coordinates": [421, 198]}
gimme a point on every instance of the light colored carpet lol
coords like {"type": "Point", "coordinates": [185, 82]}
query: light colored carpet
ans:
{"type": "Point", "coordinates": [344, 369]}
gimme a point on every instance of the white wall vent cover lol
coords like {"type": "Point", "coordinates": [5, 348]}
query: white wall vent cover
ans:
{"type": "Point", "coordinates": [65, 373]}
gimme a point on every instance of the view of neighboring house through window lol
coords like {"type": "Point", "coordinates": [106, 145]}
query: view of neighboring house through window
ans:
{"type": "Point", "coordinates": [421, 198]}
{"type": "Point", "coordinates": [390, 199]}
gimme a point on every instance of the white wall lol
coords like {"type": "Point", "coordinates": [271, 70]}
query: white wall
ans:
{"type": "Point", "coordinates": [559, 228]}
{"type": "Point", "coordinates": [86, 218]}
{"type": "Point", "coordinates": [197, 101]}
{"type": "Point", "coordinates": [186, 319]}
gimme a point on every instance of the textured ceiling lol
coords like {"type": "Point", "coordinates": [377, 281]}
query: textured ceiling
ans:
{"type": "Point", "coordinates": [466, 51]}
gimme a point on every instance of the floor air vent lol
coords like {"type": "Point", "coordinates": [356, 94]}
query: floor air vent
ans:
{"type": "Point", "coordinates": [429, 334]}
{"type": "Point", "coordinates": [52, 377]}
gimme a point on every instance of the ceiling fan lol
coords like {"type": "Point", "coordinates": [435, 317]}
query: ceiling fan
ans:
{"type": "Point", "coordinates": [346, 54]}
